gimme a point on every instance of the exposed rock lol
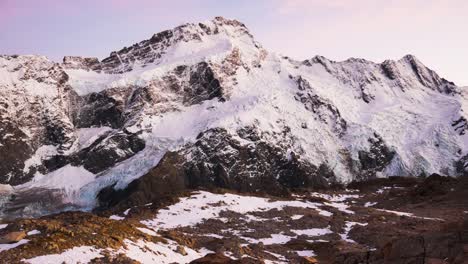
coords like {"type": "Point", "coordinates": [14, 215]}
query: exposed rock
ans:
{"type": "Point", "coordinates": [106, 153]}
{"type": "Point", "coordinates": [309, 260]}
{"type": "Point", "coordinates": [376, 159]}
{"type": "Point", "coordinates": [16, 151]}
{"type": "Point", "coordinates": [12, 237]}
{"type": "Point", "coordinates": [80, 63]}
{"type": "Point", "coordinates": [181, 250]}
{"type": "Point", "coordinates": [100, 109]}
{"type": "Point", "coordinates": [218, 160]}
{"type": "Point", "coordinates": [434, 185]}
{"type": "Point", "coordinates": [35, 110]}
{"type": "Point", "coordinates": [102, 154]}
{"type": "Point", "coordinates": [114, 259]}
{"type": "Point", "coordinates": [212, 258]}
{"type": "Point", "coordinates": [72, 229]}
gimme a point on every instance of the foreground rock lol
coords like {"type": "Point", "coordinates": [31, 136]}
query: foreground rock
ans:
{"type": "Point", "coordinates": [12, 237]}
{"type": "Point", "coordinates": [382, 221]}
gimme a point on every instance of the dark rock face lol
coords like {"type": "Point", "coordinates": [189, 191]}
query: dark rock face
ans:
{"type": "Point", "coordinates": [194, 84]}
{"type": "Point", "coordinates": [100, 109]}
{"type": "Point", "coordinates": [29, 121]}
{"type": "Point", "coordinates": [15, 151]}
{"type": "Point", "coordinates": [218, 160]}
{"type": "Point", "coordinates": [378, 157]}
{"type": "Point", "coordinates": [433, 186]}
{"type": "Point", "coordinates": [104, 153]}
{"type": "Point", "coordinates": [221, 161]}
{"type": "Point", "coordinates": [108, 152]}
{"type": "Point", "coordinates": [433, 247]}
{"type": "Point", "coordinates": [166, 180]}
{"type": "Point", "coordinates": [460, 125]}
{"type": "Point", "coordinates": [202, 85]}
{"type": "Point", "coordinates": [390, 70]}
{"type": "Point", "coordinates": [462, 165]}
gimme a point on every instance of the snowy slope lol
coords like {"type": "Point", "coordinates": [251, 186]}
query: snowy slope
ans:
{"type": "Point", "coordinates": [353, 119]}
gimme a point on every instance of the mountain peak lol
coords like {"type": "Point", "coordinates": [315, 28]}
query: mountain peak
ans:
{"type": "Point", "coordinates": [410, 57]}
{"type": "Point", "coordinates": [183, 42]}
{"type": "Point", "coordinates": [226, 21]}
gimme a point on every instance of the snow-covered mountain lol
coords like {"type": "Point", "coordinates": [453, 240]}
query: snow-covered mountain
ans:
{"type": "Point", "coordinates": [206, 105]}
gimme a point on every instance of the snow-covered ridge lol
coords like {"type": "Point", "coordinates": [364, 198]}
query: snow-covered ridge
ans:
{"type": "Point", "coordinates": [341, 121]}
{"type": "Point", "coordinates": [186, 42]}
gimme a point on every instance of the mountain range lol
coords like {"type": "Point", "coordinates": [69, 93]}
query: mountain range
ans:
{"type": "Point", "coordinates": [205, 105]}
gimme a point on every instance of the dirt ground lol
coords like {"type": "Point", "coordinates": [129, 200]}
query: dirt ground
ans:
{"type": "Point", "coordinates": [395, 220]}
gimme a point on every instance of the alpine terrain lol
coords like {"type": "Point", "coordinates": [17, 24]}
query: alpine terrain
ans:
{"type": "Point", "coordinates": [199, 145]}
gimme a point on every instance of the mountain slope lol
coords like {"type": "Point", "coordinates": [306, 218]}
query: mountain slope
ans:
{"type": "Point", "coordinates": [206, 105]}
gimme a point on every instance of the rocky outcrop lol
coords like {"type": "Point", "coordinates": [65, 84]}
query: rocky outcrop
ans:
{"type": "Point", "coordinates": [12, 237]}
{"type": "Point", "coordinates": [376, 159]}
{"type": "Point", "coordinates": [104, 153]}
{"type": "Point", "coordinates": [16, 150]}
{"type": "Point", "coordinates": [219, 160]}
{"type": "Point", "coordinates": [80, 63]}
{"type": "Point", "coordinates": [432, 247]}
{"type": "Point", "coordinates": [34, 111]}
{"type": "Point", "coordinates": [100, 109]}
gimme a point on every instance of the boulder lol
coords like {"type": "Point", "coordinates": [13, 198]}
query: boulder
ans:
{"type": "Point", "coordinates": [308, 260]}
{"type": "Point", "coordinates": [12, 237]}
{"type": "Point", "coordinates": [181, 250]}
{"type": "Point", "coordinates": [212, 258]}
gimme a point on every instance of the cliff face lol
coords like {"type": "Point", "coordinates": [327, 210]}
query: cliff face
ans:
{"type": "Point", "coordinates": [235, 115]}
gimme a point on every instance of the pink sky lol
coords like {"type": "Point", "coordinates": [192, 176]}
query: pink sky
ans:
{"type": "Point", "coordinates": [433, 30]}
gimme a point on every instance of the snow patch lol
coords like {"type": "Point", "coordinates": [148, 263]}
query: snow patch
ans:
{"type": "Point", "coordinates": [69, 178]}
{"type": "Point", "coordinates": [313, 231]}
{"type": "Point", "coordinates": [296, 217]}
{"type": "Point", "coordinates": [370, 204]}
{"type": "Point", "coordinates": [116, 217]}
{"type": "Point", "coordinates": [33, 232]}
{"type": "Point", "coordinates": [202, 205]}
{"type": "Point", "coordinates": [348, 226]}
{"type": "Point", "coordinates": [76, 255]}
{"type": "Point", "coordinates": [306, 253]}
{"type": "Point", "coordinates": [149, 252]}
{"type": "Point", "coordinates": [4, 247]}
{"type": "Point", "coordinates": [147, 231]}
{"type": "Point", "coordinates": [410, 215]}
